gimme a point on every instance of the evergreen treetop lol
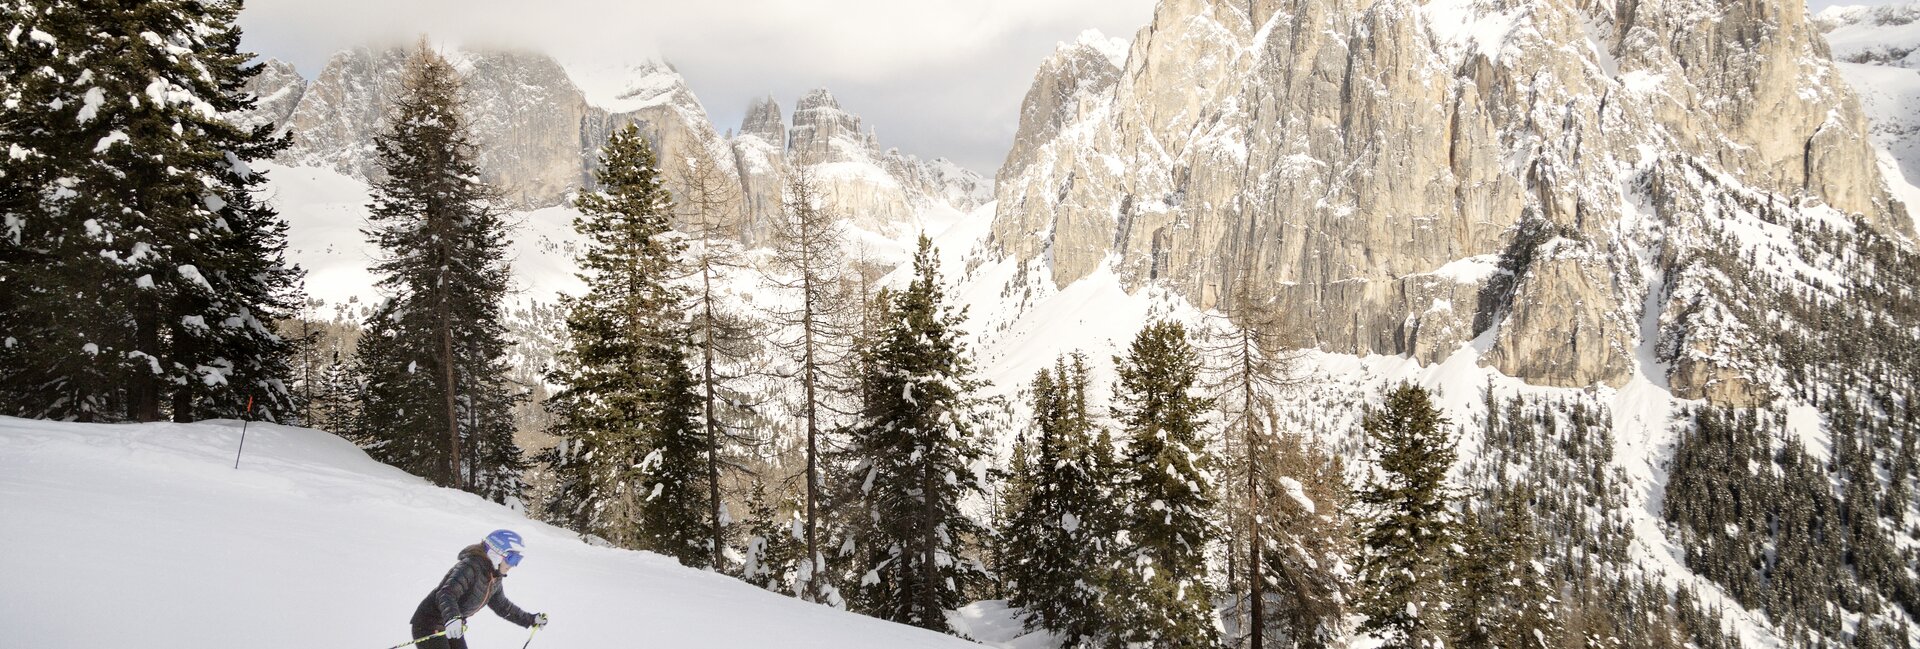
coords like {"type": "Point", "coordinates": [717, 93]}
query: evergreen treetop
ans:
{"type": "Point", "coordinates": [142, 277]}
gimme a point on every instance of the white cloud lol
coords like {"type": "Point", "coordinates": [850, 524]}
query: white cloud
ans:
{"type": "Point", "coordinates": [935, 77]}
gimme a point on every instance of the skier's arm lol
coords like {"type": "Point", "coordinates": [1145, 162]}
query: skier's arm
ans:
{"type": "Point", "coordinates": [504, 608]}
{"type": "Point", "coordinates": [447, 596]}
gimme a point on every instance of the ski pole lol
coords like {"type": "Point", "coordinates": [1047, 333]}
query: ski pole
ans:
{"type": "Point", "coordinates": [416, 641]}
{"type": "Point", "coordinates": [529, 637]}
{"type": "Point", "coordinates": [243, 435]}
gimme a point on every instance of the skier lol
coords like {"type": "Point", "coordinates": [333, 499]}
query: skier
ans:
{"type": "Point", "coordinates": [472, 583]}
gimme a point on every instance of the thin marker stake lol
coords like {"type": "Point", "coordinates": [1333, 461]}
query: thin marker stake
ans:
{"type": "Point", "coordinates": [243, 432]}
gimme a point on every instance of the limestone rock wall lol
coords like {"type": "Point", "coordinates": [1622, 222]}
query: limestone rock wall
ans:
{"type": "Point", "coordinates": [1374, 165]}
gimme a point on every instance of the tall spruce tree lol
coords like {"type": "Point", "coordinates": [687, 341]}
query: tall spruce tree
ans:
{"type": "Point", "coordinates": [1410, 529]}
{"type": "Point", "coordinates": [1161, 593]}
{"type": "Point", "coordinates": [140, 277]}
{"type": "Point", "coordinates": [1059, 535]}
{"type": "Point", "coordinates": [635, 466]}
{"type": "Point", "coordinates": [433, 353]}
{"type": "Point", "coordinates": [917, 443]}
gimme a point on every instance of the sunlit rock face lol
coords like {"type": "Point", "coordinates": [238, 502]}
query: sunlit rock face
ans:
{"type": "Point", "coordinates": [1545, 178]}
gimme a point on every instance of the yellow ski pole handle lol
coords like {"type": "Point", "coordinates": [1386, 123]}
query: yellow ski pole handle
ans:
{"type": "Point", "coordinates": [416, 641]}
{"type": "Point", "coordinates": [536, 629]}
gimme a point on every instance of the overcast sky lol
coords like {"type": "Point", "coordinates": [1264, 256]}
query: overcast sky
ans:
{"type": "Point", "coordinates": [937, 78]}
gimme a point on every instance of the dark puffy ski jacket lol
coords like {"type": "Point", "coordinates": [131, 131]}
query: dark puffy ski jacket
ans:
{"type": "Point", "coordinates": [471, 584]}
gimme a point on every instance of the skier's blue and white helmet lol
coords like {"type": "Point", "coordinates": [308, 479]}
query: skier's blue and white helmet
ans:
{"type": "Point", "coordinates": [504, 546]}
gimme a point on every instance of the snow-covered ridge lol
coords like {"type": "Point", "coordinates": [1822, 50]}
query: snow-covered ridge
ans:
{"type": "Point", "coordinates": [1879, 50]}
{"type": "Point", "coordinates": [1113, 47]}
{"type": "Point", "coordinates": [1878, 34]}
{"type": "Point", "coordinates": [146, 535]}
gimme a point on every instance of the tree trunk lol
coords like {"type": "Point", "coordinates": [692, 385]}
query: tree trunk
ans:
{"type": "Point", "coordinates": [931, 614]}
{"type": "Point", "coordinates": [454, 478]}
{"type": "Point", "coordinates": [713, 437]}
{"type": "Point", "coordinates": [1258, 620]}
{"type": "Point", "coordinates": [813, 441]}
{"type": "Point", "coordinates": [144, 400]}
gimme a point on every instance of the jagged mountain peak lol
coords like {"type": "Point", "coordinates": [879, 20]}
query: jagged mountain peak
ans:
{"type": "Point", "coordinates": [277, 90]}
{"type": "Point", "coordinates": [1073, 80]}
{"type": "Point", "coordinates": [763, 120]}
{"type": "Point", "coordinates": [539, 123]}
{"type": "Point", "coordinates": [824, 133]}
{"type": "Point", "coordinates": [815, 99]}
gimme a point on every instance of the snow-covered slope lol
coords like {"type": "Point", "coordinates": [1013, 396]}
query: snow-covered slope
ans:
{"type": "Point", "coordinates": [145, 535]}
{"type": "Point", "coordinates": [1879, 50]}
{"type": "Point", "coordinates": [326, 210]}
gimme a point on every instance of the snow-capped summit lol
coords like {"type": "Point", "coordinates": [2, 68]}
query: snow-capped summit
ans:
{"type": "Point", "coordinates": [277, 89]}
{"type": "Point", "coordinates": [1113, 47]}
{"type": "Point", "coordinates": [630, 87]}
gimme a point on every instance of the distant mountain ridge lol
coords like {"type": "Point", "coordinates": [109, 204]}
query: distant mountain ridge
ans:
{"type": "Point", "coordinates": [539, 134]}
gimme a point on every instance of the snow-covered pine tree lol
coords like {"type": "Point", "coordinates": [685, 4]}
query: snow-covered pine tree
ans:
{"type": "Point", "coordinates": [1409, 529]}
{"type": "Point", "coordinates": [336, 400]}
{"type": "Point", "coordinates": [772, 552]}
{"type": "Point", "coordinates": [1504, 598]}
{"type": "Point", "coordinates": [1161, 594]}
{"type": "Point", "coordinates": [1007, 548]}
{"type": "Point", "coordinates": [807, 260]}
{"type": "Point", "coordinates": [636, 468]}
{"type": "Point", "coordinates": [918, 442]}
{"type": "Point", "coordinates": [1059, 536]}
{"type": "Point", "coordinates": [142, 277]}
{"type": "Point", "coordinates": [437, 400]}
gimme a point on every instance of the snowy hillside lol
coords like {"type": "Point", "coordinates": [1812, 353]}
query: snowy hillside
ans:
{"type": "Point", "coordinates": [1879, 50]}
{"type": "Point", "coordinates": [145, 535]}
{"type": "Point", "coordinates": [326, 210]}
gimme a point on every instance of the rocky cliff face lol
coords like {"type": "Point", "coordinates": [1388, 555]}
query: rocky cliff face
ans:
{"type": "Point", "coordinates": [539, 134]}
{"type": "Point", "coordinates": [340, 110]}
{"type": "Point", "coordinates": [1544, 178]}
{"type": "Point", "coordinates": [277, 91]}
{"type": "Point", "coordinates": [530, 123]}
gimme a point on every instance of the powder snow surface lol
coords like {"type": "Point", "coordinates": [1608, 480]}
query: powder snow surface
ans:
{"type": "Point", "coordinates": [145, 535]}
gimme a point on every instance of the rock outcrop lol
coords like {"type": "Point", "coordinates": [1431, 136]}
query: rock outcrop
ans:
{"type": "Point", "coordinates": [277, 90]}
{"type": "Point", "coordinates": [1405, 177]}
